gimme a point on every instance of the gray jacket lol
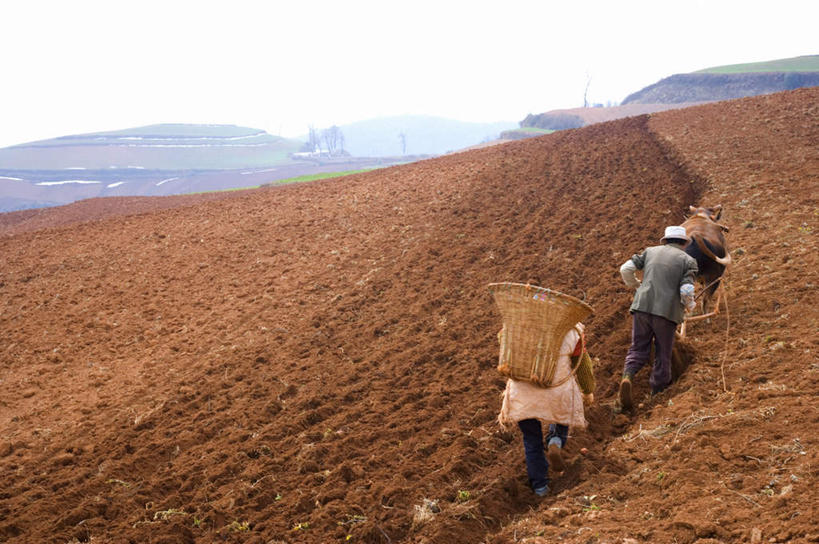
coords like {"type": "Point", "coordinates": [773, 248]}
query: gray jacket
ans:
{"type": "Point", "coordinates": [665, 269]}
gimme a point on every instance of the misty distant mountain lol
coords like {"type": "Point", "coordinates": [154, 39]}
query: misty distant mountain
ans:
{"type": "Point", "coordinates": [425, 135]}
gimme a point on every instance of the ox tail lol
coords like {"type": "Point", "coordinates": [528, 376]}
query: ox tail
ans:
{"type": "Point", "coordinates": [724, 261]}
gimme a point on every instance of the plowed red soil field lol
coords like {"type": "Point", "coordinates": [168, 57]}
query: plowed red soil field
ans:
{"type": "Point", "coordinates": [316, 363]}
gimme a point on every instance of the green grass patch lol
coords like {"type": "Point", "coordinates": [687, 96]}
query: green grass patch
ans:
{"type": "Point", "coordinates": [807, 63]}
{"type": "Point", "coordinates": [297, 179]}
{"type": "Point", "coordinates": [224, 190]}
{"type": "Point", "coordinates": [323, 175]}
{"type": "Point", "coordinates": [525, 132]}
{"type": "Point", "coordinates": [533, 130]}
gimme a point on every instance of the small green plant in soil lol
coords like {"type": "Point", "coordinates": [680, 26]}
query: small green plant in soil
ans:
{"type": "Point", "coordinates": [590, 505]}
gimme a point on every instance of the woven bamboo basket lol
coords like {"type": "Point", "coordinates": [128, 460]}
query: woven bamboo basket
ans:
{"type": "Point", "coordinates": [535, 321]}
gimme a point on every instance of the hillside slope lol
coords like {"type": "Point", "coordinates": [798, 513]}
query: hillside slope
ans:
{"type": "Point", "coordinates": [731, 82]}
{"type": "Point", "coordinates": [304, 363]}
{"type": "Point", "coordinates": [710, 87]}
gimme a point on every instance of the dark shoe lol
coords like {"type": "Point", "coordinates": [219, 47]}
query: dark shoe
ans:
{"type": "Point", "coordinates": [625, 393]}
{"type": "Point", "coordinates": [542, 491]}
{"type": "Point", "coordinates": [555, 457]}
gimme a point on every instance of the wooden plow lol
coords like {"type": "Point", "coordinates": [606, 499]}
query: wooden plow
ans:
{"type": "Point", "coordinates": [721, 297]}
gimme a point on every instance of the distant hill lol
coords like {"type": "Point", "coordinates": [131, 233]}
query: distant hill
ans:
{"type": "Point", "coordinates": [730, 82]}
{"type": "Point", "coordinates": [153, 160]}
{"type": "Point", "coordinates": [684, 90]}
{"type": "Point", "coordinates": [155, 147]}
{"type": "Point", "coordinates": [142, 161]}
{"type": "Point", "coordinates": [425, 135]}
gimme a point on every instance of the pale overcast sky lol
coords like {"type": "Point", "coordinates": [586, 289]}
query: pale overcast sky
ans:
{"type": "Point", "coordinates": [79, 66]}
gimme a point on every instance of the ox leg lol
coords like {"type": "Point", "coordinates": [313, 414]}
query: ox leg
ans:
{"type": "Point", "coordinates": [721, 297]}
{"type": "Point", "coordinates": [708, 296]}
{"type": "Point", "coordinates": [706, 301]}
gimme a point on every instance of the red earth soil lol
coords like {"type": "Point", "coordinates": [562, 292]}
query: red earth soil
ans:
{"type": "Point", "coordinates": [316, 362]}
{"type": "Point", "coordinates": [94, 209]}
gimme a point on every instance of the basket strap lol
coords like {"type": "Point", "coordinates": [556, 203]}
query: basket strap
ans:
{"type": "Point", "coordinates": [573, 370]}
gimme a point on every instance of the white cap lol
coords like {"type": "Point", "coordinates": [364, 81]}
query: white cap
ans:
{"type": "Point", "coordinates": [675, 232]}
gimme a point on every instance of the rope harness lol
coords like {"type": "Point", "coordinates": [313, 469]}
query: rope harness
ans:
{"type": "Point", "coordinates": [704, 289]}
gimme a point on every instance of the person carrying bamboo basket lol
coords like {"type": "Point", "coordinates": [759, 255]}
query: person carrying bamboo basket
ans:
{"type": "Point", "coordinates": [555, 397]}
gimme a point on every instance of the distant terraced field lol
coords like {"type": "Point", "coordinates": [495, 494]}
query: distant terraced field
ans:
{"type": "Point", "coordinates": [153, 161]}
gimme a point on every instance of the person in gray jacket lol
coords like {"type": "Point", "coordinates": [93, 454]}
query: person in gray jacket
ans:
{"type": "Point", "coordinates": [666, 289]}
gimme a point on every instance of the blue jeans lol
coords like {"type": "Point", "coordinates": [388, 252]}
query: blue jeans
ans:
{"type": "Point", "coordinates": [536, 465]}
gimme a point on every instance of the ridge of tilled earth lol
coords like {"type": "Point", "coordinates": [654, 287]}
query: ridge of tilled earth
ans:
{"type": "Point", "coordinates": [308, 363]}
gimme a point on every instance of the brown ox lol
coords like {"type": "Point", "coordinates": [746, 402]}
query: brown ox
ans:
{"type": "Point", "coordinates": [708, 247]}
